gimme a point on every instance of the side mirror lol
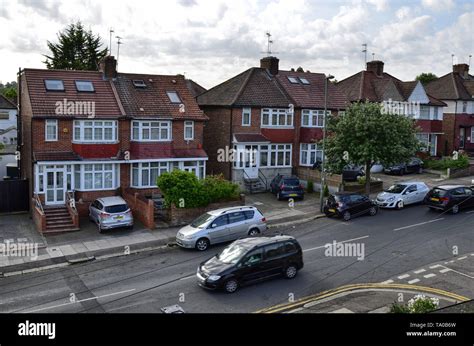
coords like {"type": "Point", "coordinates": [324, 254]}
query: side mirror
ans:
{"type": "Point", "coordinates": [214, 225]}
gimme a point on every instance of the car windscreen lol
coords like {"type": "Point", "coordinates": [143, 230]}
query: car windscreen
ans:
{"type": "Point", "coordinates": [232, 254]}
{"type": "Point", "coordinates": [202, 220]}
{"type": "Point", "coordinates": [291, 182]}
{"type": "Point", "coordinates": [119, 208]}
{"type": "Point", "coordinates": [438, 193]}
{"type": "Point", "coordinates": [397, 188]}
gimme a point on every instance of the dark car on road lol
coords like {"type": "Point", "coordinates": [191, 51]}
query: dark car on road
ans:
{"type": "Point", "coordinates": [415, 165]}
{"type": "Point", "coordinates": [352, 172]}
{"type": "Point", "coordinates": [450, 198]}
{"type": "Point", "coordinates": [251, 260]}
{"type": "Point", "coordinates": [286, 186]}
{"type": "Point", "coordinates": [348, 205]}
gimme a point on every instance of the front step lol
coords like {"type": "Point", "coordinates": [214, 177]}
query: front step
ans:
{"type": "Point", "coordinates": [254, 186]}
{"type": "Point", "coordinates": [58, 220]}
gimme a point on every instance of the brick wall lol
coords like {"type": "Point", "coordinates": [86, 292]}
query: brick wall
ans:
{"type": "Point", "coordinates": [142, 208]}
{"type": "Point", "coordinates": [64, 142]}
{"type": "Point", "coordinates": [308, 174]}
{"type": "Point", "coordinates": [85, 198]}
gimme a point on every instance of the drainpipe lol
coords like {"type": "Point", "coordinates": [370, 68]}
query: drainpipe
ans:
{"type": "Point", "coordinates": [19, 137]}
{"type": "Point", "coordinates": [230, 140]}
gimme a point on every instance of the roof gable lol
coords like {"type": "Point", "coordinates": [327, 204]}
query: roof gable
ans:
{"type": "Point", "coordinates": [6, 103]}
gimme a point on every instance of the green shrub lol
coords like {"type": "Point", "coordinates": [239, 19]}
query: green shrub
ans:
{"type": "Point", "coordinates": [310, 187]}
{"type": "Point", "coordinates": [447, 162]}
{"type": "Point", "coordinates": [419, 304]}
{"type": "Point", "coordinates": [185, 190]}
{"type": "Point", "coordinates": [399, 309]}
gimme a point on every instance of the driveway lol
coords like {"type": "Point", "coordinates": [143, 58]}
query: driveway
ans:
{"type": "Point", "coordinates": [430, 179]}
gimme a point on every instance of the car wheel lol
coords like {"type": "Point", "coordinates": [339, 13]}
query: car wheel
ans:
{"type": "Point", "coordinates": [254, 232]}
{"type": "Point", "coordinates": [291, 271]}
{"type": "Point", "coordinates": [400, 205]}
{"type": "Point", "coordinates": [373, 211]}
{"type": "Point", "coordinates": [455, 209]}
{"type": "Point", "coordinates": [231, 285]}
{"type": "Point", "coordinates": [202, 244]}
{"type": "Point", "coordinates": [346, 216]}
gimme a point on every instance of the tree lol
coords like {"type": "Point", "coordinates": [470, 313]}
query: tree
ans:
{"type": "Point", "coordinates": [77, 49]}
{"type": "Point", "coordinates": [425, 78]}
{"type": "Point", "coordinates": [9, 90]}
{"type": "Point", "coordinates": [366, 135]}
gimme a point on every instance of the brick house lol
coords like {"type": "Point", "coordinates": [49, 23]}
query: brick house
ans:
{"type": "Point", "coordinates": [271, 118]}
{"type": "Point", "coordinates": [456, 89]}
{"type": "Point", "coordinates": [103, 133]}
{"type": "Point", "coordinates": [375, 85]}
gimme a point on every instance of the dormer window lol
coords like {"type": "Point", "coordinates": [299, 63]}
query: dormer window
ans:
{"type": "Point", "coordinates": [304, 81]}
{"type": "Point", "coordinates": [84, 86]}
{"type": "Point", "coordinates": [293, 80]}
{"type": "Point", "coordinates": [139, 83]}
{"type": "Point", "coordinates": [173, 96]}
{"type": "Point", "coordinates": [54, 84]}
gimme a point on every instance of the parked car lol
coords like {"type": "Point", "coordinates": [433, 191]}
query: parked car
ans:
{"type": "Point", "coordinates": [286, 186]}
{"type": "Point", "coordinates": [415, 165]}
{"type": "Point", "coordinates": [110, 212]}
{"type": "Point", "coordinates": [450, 198]}
{"type": "Point", "coordinates": [220, 226]}
{"type": "Point", "coordinates": [352, 172]}
{"type": "Point", "coordinates": [251, 260]}
{"type": "Point", "coordinates": [376, 168]}
{"type": "Point", "coordinates": [349, 204]}
{"type": "Point", "coordinates": [401, 194]}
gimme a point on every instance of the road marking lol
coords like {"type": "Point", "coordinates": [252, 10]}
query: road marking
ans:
{"type": "Point", "coordinates": [187, 277]}
{"type": "Point", "coordinates": [429, 276]}
{"type": "Point", "coordinates": [404, 276]}
{"type": "Point", "coordinates": [80, 301]}
{"type": "Point", "coordinates": [387, 282]}
{"type": "Point", "coordinates": [461, 258]}
{"type": "Point", "coordinates": [414, 281]}
{"type": "Point", "coordinates": [418, 224]}
{"type": "Point", "coordinates": [445, 270]}
{"type": "Point", "coordinates": [458, 272]}
{"type": "Point", "coordinates": [419, 271]}
{"type": "Point", "coordinates": [469, 212]}
{"type": "Point", "coordinates": [435, 266]}
{"type": "Point", "coordinates": [344, 241]}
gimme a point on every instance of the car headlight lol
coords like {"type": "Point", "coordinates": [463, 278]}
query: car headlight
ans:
{"type": "Point", "coordinates": [213, 277]}
{"type": "Point", "coordinates": [391, 199]}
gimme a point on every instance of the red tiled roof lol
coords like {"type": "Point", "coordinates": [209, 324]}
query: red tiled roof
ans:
{"type": "Point", "coordinates": [43, 102]}
{"type": "Point", "coordinates": [452, 87]}
{"type": "Point", "coordinates": [250, 138]}
{"type": "Point", "coordinates": [152, 101]}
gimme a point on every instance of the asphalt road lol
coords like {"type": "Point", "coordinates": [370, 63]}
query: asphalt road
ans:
{"type": "Point", "coordinates": [394, 242]}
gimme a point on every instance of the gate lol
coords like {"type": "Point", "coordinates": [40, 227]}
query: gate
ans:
{"type": "Point", "coordinates": [14, 196]}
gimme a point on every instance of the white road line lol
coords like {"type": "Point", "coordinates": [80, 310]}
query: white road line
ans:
{"type": "Point", "coordinates": [435, 266]}
{"type": "Point", "coordinates": [469, 212]}
{"type": "Point", "coordinates": [404, 276]}
{"type": "Point", "coordinates": [418, 224]}
{"type": "Point", "coordinates": [414, 281]}
{"type": "Point", "coordinates": [429, 276]}
{"type": "Point", "coordinates": [340, 242]}
{"type": "Point", "coordinates": [445, 270]}
{"type": "Point", "coordinates": [460, 273]}
{"type": "Point", "coordinates": [419, 271]}
{"type": "Point", "coordinates": [461, 258]}
{"type": "Point", "coordinates": [387, 282]}
{"type": "Point", "coordinates": [79, 301]}
{"type": "Point", "coordinates": [187, 277]}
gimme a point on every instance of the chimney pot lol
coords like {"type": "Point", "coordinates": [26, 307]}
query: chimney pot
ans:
{"type": "Point", "coordinates": [461, 69]}
{"type": "Point", "coordinates": [108, 67]}
{"type": "Point", "coordinates": [375, 66]}
{"type": "Point", "coordinates": [271, 64]}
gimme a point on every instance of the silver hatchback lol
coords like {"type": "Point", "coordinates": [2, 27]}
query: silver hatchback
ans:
{"type": "Point", "coordinates": [220, 226]}
{"type": "Point", "coordinates": [110, 212]}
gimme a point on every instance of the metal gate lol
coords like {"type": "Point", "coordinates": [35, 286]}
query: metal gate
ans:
{"type": "Point", "coordinates": [14, 196]}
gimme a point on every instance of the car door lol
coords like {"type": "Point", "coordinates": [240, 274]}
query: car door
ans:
{"type": "Point", "coordinates": [237, 226]}
{"type": "Point", "coordinates": [357, 204]}
{"type": "Point", "coordinates": [422, 192]}
{"type": "Point", "coordinates": [251, 267]}
{"type": "Point", "coordinates": [410, 194]}
{"type": "Point", "coordinates": [273, 259]}
{"type": "Point", "coordinates": [469, 197]}
{"type": "Point", "coordinates": [217, 230]}
{"type": "Point", "coordinates": [96, 210]}
{"type": "Point", "coordinates": [458, 197]}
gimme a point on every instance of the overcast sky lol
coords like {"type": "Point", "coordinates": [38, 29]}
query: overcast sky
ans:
{"type": "Point", "coordinates": [212, 40]}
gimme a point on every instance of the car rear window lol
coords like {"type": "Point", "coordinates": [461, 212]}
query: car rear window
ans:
{"type": "Point", "coordinates": [291, 182]}
{"type": "Point", "coordinates": [119, 208]}
{"type": "Point", "coordinates": [438, 193]}
{"type": "Point", "coordinates": [249, 214]}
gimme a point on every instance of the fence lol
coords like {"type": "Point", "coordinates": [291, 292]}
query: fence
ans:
{"type": "Point", "coordinates": [14, 196]}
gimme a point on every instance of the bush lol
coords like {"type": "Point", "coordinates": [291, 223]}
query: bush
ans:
{"type": "Point", "coordinates": [310, 187]}
{"type": "Point", "coordinates": [419, 304]}
{"type": "Point", "coordinates": [185, 190]}
{"type": "Point", "coordinates": [447, 162]}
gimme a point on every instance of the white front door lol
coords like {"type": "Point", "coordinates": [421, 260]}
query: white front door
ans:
{"type": "Point", "coordinates": [55, 189]}
{"type": "Point", "coordinates": [251, 161]}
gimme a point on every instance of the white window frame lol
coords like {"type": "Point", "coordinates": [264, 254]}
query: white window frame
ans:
{"type": "Point", "coordinates": [79, 129]}
{"type": "Point", "coordinates": [426, 110]}
{"type": "Point", "coordinates": [189, 124]}
{"type": "Point", "coordinates": [198, 166]}
{"type": "Point", "coordinates": [49, 123]}
{"type": "Point", "coordinates": [246, 111]}
{"type": "Point", "coordinates": [275, 113]}
{"type": "Point", "coordinates": [140, 125]}
{"type": "Point", "coordinates": [308, 149]}
{"type": "Point", "coordinates": [272, 153]}
{"type": "Point", "coordinates": [472, 134]}
{"type": "Point", "coordinates": [312, 114]}
{"type": "Point", "coordinates": [96, 169]}
{"type": "Point", "coordinates": [464, 107]}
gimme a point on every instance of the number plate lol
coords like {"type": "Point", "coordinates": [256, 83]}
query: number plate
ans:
{"type": "Point", "coordinates": [332, 210]}
{"type": "Point", "coordinates": [435, 199]}
{"type": "Point", "coordinates": [293, 195]}
{"type": "Point", "coordinates": [118, 217]}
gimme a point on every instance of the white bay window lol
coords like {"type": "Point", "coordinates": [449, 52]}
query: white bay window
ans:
{"type": "Point", "coordinates": [310, 153]}
{"type": "Point", "coordinates": [95, 131]}
{"type": "Point", "coordinates": [152, 131]}
{"type": "Point", "coordinates": [276, 117]}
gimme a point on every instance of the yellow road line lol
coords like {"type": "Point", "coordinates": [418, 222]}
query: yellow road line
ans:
{"type": "Point", "coordinates": [342, 289]}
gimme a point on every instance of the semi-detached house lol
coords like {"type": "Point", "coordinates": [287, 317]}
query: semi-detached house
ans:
{"type": "Point", "coordinates": [96, 134]}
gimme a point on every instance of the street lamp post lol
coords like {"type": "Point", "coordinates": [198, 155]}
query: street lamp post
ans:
{"type": "Point", "coordinates": [323, 159]}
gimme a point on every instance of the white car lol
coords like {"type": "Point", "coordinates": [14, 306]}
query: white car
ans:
{"type": "Point", "coordinates": [401, 194]}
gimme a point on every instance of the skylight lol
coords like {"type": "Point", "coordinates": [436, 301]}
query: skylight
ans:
{"type": "Point", "coordinates": [173, 96]}
{"type": "Point", "coordinates": [304, 80]}
{"type": "Point", "coordinates": [54, 84]}
{"type": "Point", "coordinates": [293, 80]}
{"type": "Point", "coordinates": [139, 83]}
{"type": "Point", "coordinates": [84, 85]}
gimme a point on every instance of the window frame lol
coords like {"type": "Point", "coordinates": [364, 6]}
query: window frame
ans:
{"type": "Point", "coordinates": [293, 80]}
{"type": "Point", "coordinates": [312, 114]}
{"type": "Point", "coordinates": [188, 124]}
{"type": "Point", "coordinates": [174, 92]}
{"type": "Point", "coordinates": [276, 113]}
{"type": "Point", "coordinates": [308, 152]}
{"type": "Point", "coordinates": [54, 80]}
{"type": "Point", "coordinates": [56, 132]}
{"type": "Point", "coordinates": [139, 167]}
{"type": "Point", "coordinates": [79, 127]}
{"type": "Point", "coordinates": [149, 127]}
{"type": "Point", "coordinates": [247, 111]}
{"type": "Point", "coordinates": [76, 82]}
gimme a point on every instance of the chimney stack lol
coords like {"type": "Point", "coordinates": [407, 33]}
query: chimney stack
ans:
{"type": "Point", "coordinates": [108, 67]}
{"type": "Point", "coordinates": [271, 64]}
{"type": "Point", "coordinates": [461, 69]}
{"type": "Point", "coordinates": [375, 66]}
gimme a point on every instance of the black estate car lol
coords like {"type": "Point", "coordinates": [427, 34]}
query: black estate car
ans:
{"type": "Point", "coordinates": [286, 186]}
{"type": "Point", "coordinates": [349, 204]}
{"type": "Point", "coordinates": [352, 172]}
{"type": "Point", "coordinates": [450, 197]}
{"type": "Point", "coordinates": [415, 165]}
{"type": "Point", "coordinates": [251, 260]}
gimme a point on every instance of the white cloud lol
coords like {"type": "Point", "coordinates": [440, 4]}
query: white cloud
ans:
{"type": "Point", "coordinates": [438, 5]}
